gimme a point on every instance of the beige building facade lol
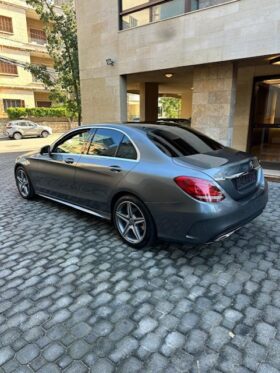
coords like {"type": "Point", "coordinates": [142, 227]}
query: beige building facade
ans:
{"type": "Point", "coordinates": [22, 39]}
{"type": "Point", "coordinates": [222, 58]}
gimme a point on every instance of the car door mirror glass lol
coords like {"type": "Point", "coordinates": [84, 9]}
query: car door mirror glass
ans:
{"type": "Point", "coordinates": [46, 150]}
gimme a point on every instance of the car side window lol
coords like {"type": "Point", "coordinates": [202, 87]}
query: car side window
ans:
{"type": "Point", "coordinates": [105, 142]}
{"type": "Point", "coordinates": [22, 124]}
{"type": "Point", "coordinates": [126, 149]}
{"type": "Point", "coordinates": [76, 143]}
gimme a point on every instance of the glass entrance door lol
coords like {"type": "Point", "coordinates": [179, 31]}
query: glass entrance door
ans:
{"type": "Point", "coordinates": [265, 126]}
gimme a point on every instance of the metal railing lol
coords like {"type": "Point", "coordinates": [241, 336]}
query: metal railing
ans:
{"type": "Point", "coordinates": [38, 41]}
{"type": "Point", "coordinates": [155, 10]}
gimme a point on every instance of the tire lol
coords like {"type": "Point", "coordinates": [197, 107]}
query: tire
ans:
{"type": "Point", "coordinates": [44, 134]}
{"type": "Point", "coordinates": [134, 222]}
{"type": "Point", "coordinates": [24, 184]}
{"type": "Point", "coordinates": [17, 136]}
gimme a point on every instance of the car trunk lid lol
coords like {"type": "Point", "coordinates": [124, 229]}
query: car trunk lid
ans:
{"type": "Point", "coordinates": [235, 171]}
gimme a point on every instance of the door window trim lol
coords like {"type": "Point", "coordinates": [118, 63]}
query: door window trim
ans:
{"type": "Point", "coordinates": [106, 157]}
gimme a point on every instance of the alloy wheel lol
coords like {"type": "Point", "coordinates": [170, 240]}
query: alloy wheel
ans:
{"type": "Point", "coordinates": [131, 222]}
{"type": "Point", "coordinates": [23, 183]}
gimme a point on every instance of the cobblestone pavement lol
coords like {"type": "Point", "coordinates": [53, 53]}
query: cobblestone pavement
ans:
{"type": "Point", "coordinates": [73, 298]}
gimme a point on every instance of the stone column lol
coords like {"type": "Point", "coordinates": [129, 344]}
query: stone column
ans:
{"type": "Point", "coordinates": [186, 111]}
{"type": "Point", "coordinates": [244, 92]}
{"type": "Point", "coordinates": [214, 97]}
{"type": "Point", "coordinates": [148, 102]}
{"type": "Point", "coordinates": [104, 99]}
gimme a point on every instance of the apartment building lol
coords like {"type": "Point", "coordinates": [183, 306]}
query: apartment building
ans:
{"type": "Point", "coordinates": [220, 57]}
{"type": "Point", "coordinates": [22, 39]}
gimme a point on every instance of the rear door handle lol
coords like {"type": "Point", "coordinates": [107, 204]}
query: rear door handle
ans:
{"type": "Point", "coordinates": [69, 160]}
{"type": "Point", "coordinates": [115, 168]}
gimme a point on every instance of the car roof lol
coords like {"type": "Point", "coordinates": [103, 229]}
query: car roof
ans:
{"type": "Point", "coordinates": [139, 126]}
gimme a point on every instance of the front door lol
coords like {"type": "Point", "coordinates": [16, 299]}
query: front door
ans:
{"type": "Point", "coordinates": [265, 123]}
{"type": "Point", "coordinates": [53, 175]}
{"type": "Point", "coordinates": [110, 157]}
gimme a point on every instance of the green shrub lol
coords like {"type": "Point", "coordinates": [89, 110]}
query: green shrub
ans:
{"type": "Point", "coordinates": [16, 112]}
{"type": "Point", "coordinates": [39, 112]}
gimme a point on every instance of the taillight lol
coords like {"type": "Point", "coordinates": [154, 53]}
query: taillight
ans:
{"type": "Point", "coordinates": [9, 125]}
{"type": "Point", "coordinates": [200, 189]}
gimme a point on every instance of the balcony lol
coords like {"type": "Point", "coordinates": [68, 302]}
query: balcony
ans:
{"type": "Point", "coordinates": [156, 10]}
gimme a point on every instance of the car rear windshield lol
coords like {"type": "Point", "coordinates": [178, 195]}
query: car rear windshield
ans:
{"type": "Point", "coordinates": [177, 141]}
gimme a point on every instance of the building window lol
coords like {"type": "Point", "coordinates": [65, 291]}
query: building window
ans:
{"type": "Point", "coordinates": [6, 24]}
{"type": "Point", "coordinates": [12, 103]}
{"type": "Point", "coordinates": [38, 36]}
{"type": "Point", "coordinates": [8, 68]}
{"type": "Point", "coordinates": [44, 103]}
{"type": "Point", "coordinates": [140, 12]}
{"type": "Point", "coordinates": [128, 4]}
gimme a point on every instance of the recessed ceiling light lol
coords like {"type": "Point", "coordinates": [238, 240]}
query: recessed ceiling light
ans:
{"type": "Point", "coordinates": [168, 75]}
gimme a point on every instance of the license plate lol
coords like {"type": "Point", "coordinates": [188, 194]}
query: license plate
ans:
{"type": "Point", "coordinates": [246, 180]}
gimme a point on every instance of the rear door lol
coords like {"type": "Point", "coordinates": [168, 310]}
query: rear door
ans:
{"type": "Point", "coordinates": [110, 157]}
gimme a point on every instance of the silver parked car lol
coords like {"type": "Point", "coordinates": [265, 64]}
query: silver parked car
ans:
{"type": "Point", "coordinates": [17, 129]}
{"type": "Point", "coordinates": [153, 181]}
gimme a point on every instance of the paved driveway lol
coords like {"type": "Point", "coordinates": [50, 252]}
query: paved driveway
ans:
{"type": "Point", "coordinates": [73, 298]}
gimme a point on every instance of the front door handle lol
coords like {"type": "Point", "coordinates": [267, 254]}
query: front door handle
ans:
{"type": "Point", "coordinates": [69, 160]}
{"type": "Point", "coordinates": [115, 168]}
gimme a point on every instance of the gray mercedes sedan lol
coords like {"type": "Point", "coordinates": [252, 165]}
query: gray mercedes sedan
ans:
{"type": "Point", "coordinates": [153, 181]}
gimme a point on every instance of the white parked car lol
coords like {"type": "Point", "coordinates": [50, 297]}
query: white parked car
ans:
{"type": "Point", "coordinates": [17, 129]}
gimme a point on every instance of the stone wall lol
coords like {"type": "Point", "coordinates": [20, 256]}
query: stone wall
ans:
{"type": "Point", "coordinates": [231, 31]}
{"type": "Point", "coordinates": [214, 96]}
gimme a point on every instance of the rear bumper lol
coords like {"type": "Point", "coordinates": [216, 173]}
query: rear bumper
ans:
{"type": "Point", "coordinates": [208, 222]}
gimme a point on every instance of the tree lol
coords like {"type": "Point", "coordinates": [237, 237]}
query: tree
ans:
{"type": "Point", "coordinates": [62, 45]}
{"type": "Point", "coordinates": [171, 106]}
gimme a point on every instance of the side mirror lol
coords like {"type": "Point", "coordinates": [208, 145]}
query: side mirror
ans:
{"type": "Point", "coordinates": [46, 150]}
